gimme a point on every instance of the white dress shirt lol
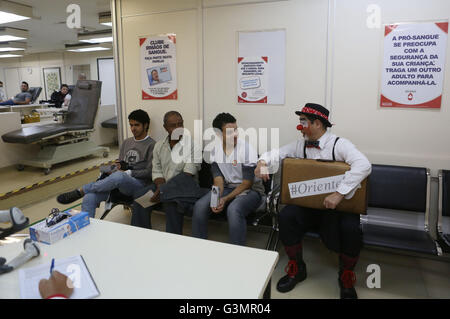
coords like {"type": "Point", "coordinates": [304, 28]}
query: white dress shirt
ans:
{"type": "Point", "coordinates": [345, 151]}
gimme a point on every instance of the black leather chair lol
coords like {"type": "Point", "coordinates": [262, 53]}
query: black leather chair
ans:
{"type": "Point", "coordinates": [35, 92]}
{"type": "Point", "coordinates": [443, 224]}
{"type": "Point", "coordinates": [111, 123]}
{"type": "Point", "coordinates": [61, 142]}
{"type": "Point", "coordinates": [117, 198]}
{"type": "Point", "coordinates": [399, 209]}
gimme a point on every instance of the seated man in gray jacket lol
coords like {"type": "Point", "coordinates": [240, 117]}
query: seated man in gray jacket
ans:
{"type": "Point", "coordinates": [130, 173]}
{"type": "Point", "coordinates": [174, 160]}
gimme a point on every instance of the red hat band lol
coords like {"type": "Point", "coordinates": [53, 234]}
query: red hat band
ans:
{"type": "Point", "coordinates": [315, 112]}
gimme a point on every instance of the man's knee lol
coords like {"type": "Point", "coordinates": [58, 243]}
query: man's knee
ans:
{"type": "Point", "coordinates": [235, 211]}
{"type": "Point", "coordinates": [202, 205]}
{"type": "Point", "coordinates": [288, 214]}
{"type": "Point", "coordinates": [91, 199]}
{"type": "Point", "coordinates": [118, 177]}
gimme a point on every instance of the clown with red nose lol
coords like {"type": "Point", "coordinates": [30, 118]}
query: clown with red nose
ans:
{"type": "Point", "coordinates": [339, 231]}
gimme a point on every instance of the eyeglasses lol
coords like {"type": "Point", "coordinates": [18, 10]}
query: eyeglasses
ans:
{"type": "Point", "coordinates": [56, 216]}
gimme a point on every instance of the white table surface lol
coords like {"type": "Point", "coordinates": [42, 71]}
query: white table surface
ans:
{"type": "Point", "coordinates": [132, 262]}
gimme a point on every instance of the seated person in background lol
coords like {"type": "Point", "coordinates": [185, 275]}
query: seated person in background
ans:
{"type": "Point", "coordinates": [22, 98]}
{"type": "Point", "coordinates": [2, 92]}
{"type": "Point", "coordinates": [133, 169]}
{"type": "Point", "coordinates": [62, 97]}
{"type": "Point", "coordinates": [166, 168]}
{"type": "Point", "coordinates": [339, 231]}
{"type": "Point", "coordinates": [233, 162]}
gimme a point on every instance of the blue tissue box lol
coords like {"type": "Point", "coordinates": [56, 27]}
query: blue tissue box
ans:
{"type": "Point", "coordinates": [49, 235]}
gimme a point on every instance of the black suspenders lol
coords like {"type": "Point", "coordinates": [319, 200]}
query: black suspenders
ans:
{"type": "Point", "coordinates": [334, 146]}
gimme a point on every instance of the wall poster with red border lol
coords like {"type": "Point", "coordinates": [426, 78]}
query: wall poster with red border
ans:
{"type": "Point", "coordinates": [158, 67]}
{"type": "Point", "coordinates": [413, 64]}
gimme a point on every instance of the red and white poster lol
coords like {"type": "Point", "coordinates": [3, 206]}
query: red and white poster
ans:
{"type": "Point", "coordinates": [413, 65]}
{"type": "Point", "coordinates": [252, 79]}
{"type": "Point", "coordinates": [158, 67]}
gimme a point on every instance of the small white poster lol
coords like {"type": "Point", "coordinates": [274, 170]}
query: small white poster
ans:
{"type": "Point", "coordinates": [413, 65]}
{"type": "Point", "coordinates": [252, 79]}
{"type": "Point", "coordinates": [158, 67]}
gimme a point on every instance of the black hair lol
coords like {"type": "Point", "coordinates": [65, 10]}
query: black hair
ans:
{"type": "Point", "coordinates": [223, 119]}
{"type": "Point", "coordinates": [169, 114]}
{"type": "Point", "coordinates": [1, 82]}
{"type": "Point", "coordinates": [140, 116]}
{"type": "Point", "coordinates": [23, 82]}
{"type": "Point", "coordinates": [312, 118]}
{"type": "Point", "coordinates": [64, 85]}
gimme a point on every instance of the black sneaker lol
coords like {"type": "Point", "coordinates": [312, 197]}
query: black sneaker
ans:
{"type": "Point", "coordinates": [69, 197]}
{"type": "Point", "coordinates": [293, 277]}
{"type": "Point", "coordinates": [347, 280]}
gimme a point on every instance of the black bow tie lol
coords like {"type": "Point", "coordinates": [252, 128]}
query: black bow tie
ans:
{"type": "Point", "coordinates": [312, 144]}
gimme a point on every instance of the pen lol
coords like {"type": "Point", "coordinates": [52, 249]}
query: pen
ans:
{"type": "Point", "coordinates": [52, 266]}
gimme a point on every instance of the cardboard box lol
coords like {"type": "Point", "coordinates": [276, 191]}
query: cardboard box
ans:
{"type": "Point", "coordinates": [49, 235]}
{"type": "Point", "coordinates": [307, 182]}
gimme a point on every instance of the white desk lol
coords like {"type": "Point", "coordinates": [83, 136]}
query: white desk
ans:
{"type": "Point", "coordinates": [132, 262]}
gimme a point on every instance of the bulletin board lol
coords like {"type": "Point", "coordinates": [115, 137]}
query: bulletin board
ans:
{"type": "Point", "coordinates": [261, 65]}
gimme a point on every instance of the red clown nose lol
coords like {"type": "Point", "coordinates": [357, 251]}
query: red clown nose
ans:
{"type": "Point", "coordinates": [299, 127]}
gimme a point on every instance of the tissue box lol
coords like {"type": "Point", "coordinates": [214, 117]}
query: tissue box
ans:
{"type": "Point", "coordinates": [49, 235]}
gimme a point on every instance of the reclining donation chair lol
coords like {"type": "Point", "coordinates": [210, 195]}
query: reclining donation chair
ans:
{"type": "Point", "coordinates": [65, 141]}
{"type": "Point", "coordinates": [35, 91]}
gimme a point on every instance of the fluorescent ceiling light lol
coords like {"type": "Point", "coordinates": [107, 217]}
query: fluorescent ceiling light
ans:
{"type": "Point", "coordinates": [12, 46]}
{"type": "Point", "coordinates": [12, 34]}
{"type": "Point", "coordinates": [89, 48]}
{"type": "Point", "coordinates": [11, 12]}
{"type": "Point", "coordinates": [96, 39]}
{"type": "Point", "coordinates": [105, 18]}
{"type": "Point", "coordinates": [10, 55]}
{"type": "Point", "coordinates": [4, 38]}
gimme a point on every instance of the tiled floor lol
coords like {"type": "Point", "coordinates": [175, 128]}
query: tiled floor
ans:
{"type": "Point", "coordinates": [401, 276]}
{"type": "Point", "coordinates": [11, 179]}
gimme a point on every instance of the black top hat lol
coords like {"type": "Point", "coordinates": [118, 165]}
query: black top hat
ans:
{"type": "Point", "coordinates": [316, 109]}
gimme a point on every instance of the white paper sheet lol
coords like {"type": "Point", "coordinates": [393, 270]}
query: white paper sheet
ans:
{"type": "Point", "coordinates": [73, 267]}
{"type": "Point", "coordinates": [144, 200]}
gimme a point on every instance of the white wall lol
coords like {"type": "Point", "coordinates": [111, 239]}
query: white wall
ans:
{"type": "Point", "coordinates": [140, 18]}
{"type": "Point", "coordinates": [305, 23]}
{"type": "Point", "coordinates": [414, 137]}
{"type": "Point", "coordinates": [332, 58]}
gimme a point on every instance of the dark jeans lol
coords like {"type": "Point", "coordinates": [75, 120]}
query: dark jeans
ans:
{"type": "Point", "coordinates": [342, 231]}
{"type": "Point", "coordinates": [175, 213]}
{"type": "Point", "coordinates": [8, 102]}
{"type": "Point", "coordinates": [237, 210]}
{"type": "Point", "coordinates": [141, 217]}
